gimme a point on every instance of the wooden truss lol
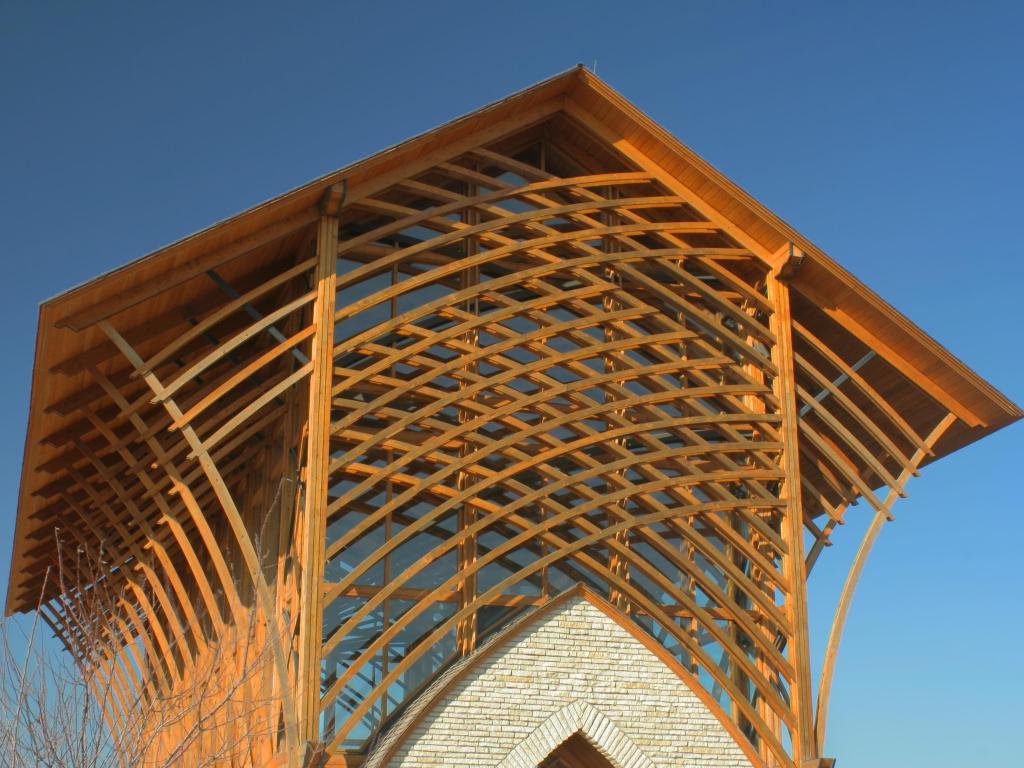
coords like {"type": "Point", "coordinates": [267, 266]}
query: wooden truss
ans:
{"type": "Point", "coordinates": [433, 391]}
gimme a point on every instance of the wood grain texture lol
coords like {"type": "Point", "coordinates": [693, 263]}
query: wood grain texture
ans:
{"type": "Point", "coordinates": [335, 452]}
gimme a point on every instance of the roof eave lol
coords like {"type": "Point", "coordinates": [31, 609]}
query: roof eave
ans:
{"type": "Point", "coordinates": [975, 400]}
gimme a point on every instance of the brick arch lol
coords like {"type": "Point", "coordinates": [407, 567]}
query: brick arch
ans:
{"type": "Point", "coordinates": [585, 719]}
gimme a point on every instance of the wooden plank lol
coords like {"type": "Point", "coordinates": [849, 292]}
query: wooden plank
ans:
{"type": "Point", "coordinates": [142, 291]}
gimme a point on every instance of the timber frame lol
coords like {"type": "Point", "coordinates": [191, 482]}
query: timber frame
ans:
{"type": "Point", "coordinates": [382, 415]}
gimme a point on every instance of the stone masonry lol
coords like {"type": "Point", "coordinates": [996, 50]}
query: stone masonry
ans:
{"type": "Point", "coordinates": [573, 669]}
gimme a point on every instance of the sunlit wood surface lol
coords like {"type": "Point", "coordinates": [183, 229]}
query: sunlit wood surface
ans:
{"type": "Point", "coordinates": [463, 377]}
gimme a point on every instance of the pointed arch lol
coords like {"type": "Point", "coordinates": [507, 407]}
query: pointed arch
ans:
{"type": "Point", "coordinates": [583, 718]}
{"type": "Point", "coordinates": [690, 715]}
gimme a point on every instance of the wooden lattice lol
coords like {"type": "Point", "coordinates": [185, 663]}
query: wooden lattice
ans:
{"type": "Point", "coordinates": [338, 455]}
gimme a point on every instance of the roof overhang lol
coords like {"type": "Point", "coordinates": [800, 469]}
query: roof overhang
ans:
{"type": "Point", "coordinates": [67, 322]}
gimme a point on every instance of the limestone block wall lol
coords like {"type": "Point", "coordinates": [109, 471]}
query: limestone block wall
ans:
{"type": "Point", "coordinates": [573, 668]}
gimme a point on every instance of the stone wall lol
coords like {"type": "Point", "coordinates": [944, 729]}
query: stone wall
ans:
{"type": "Point", "coordinates": [572, 668]}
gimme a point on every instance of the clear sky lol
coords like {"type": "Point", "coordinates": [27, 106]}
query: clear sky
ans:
{"type": "Point", "coordinates": [888, 132]}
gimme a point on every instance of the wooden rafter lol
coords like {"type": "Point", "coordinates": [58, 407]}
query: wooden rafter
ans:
{"type": "Point", "coordinates": [370, 422]}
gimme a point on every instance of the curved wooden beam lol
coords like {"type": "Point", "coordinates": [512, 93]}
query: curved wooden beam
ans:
{"type": "Point", "coordinates": [530, 375]}
{"type": "Point", "coordinates": [853, 578]}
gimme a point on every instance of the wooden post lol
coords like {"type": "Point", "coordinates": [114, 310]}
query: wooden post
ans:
{"type": "Point", "coordinates": [466, 554]}
{"type": "Point", "coordinates": [784, 384]}
{"type": "Point", "coordinates": [314, 523]}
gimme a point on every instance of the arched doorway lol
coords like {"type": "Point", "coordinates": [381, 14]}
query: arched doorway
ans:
{"type": "Point", "coordinates": [576, 752]}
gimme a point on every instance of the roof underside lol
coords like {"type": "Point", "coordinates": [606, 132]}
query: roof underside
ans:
{"type": "Point", "coordinates": [155, 294]}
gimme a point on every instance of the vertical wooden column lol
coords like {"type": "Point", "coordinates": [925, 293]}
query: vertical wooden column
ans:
{"type": "Point", "coordinates": [784, 385]}
{"type": "Point", "coordinates": [759, 578]}
{"type": "Point", "coordinates": [466, 631]}
{"type": "Point", "coordinates": [314, 522]}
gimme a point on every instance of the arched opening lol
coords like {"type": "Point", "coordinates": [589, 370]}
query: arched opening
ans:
{"type": "Point", "coordinates": [576, 752]}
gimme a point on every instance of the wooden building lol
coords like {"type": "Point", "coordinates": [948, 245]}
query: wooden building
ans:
{"type": "Point", "coordinates": [512, 445]}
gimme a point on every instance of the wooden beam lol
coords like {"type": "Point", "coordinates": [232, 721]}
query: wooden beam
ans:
{"type": "Point", "coordinates": [882, 516]}
{"type": "Point", "coordinates": [314, 521]}
{"type": "Point", "coordinates": [804, 744]}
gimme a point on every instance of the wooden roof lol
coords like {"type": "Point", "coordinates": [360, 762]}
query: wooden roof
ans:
{"type": "Point", "coordinates": [68, 340]}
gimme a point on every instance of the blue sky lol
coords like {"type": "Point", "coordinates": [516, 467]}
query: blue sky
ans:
{"type": "Point", "coordinates": [889, 133]}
